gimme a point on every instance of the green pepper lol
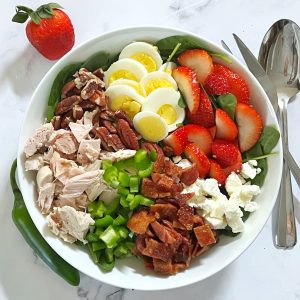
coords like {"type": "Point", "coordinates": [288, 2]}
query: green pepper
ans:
{"type": "Point", "coordinates": [119, 220]}
{"type": "Point", "coordinates": [123, 191]}
{"type": "Point", "coordinates": [109, 255]}
{"type": "Point", "coordinates": [97, 209]}
{"type": "Point", "coordinates": [122, 231]}
{"type": "Point", "coordinates": [96, 246]}
{"type": "Point", "coordinates": [35, 240]}
{"type": "Point", "coordinates": [121, 251]}
{"type": "Point", "coordinates": [141, 159]}
{"type": "Point", "coordinates": [134, 202]}
{"type": "Point", "coordinates": [92, 237]}
{"type": "Point", "coordinates": [104, 222]}
{"type": "Point", "coordinates": [146, 172]}
{"type": "Point", "coordinates": [95, 255]}
{"type": "Point", "coordinates": [145, 201]}
{"type": "Point", "coordinates": [123, 201]}
{"type": "Point", "coordinates": [134, 184]}
{"type": "Point", "coordinates": [104, 265]}
{"type": "Point", "coordinates": [110, 237]}
{"type": "Point", "coordinates": [111, 176]}
{"type": "Point", "coordinates": [123, 179]}
{"type": "Point", "coordinates": [112, 206]}
{"type": "Point", "coordinates": [106, 164]}
{"type": "Point", "coordinates": [98, 231]}
{"type": "Point", "coordinates": [153, 155]}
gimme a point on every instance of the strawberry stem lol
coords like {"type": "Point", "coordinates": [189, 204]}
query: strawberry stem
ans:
{"type": "Point", "coordinates": [45, 11]}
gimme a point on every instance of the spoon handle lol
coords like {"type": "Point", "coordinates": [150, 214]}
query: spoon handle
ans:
{"type": "Point", "coordinates": [286, 230]}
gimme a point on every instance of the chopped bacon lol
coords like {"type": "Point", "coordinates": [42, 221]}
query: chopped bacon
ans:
{"type": "Point", "coordinates": [172, 170]}
{"type": "Point", "coordinates": [198, 220]}
{"type": "Point", "coordinates": [158, 250]}
{"type": "Point", "coordinates": [189, 175]}
{"type": "Point", "coordinates": [183, 255]}
{"type": "Point", "coordinates": [198, 250]}
{"type": "Point", "coordinates": [163, 267]}
{"type": "Point", "coordinates": [185, 216]}
{"type": "Point", "coordinates": [148, 262]}
{"type": "Point", "coordinates": [139, 221]}
{"type": "Point", "coordinates": [204, 235]}
{"type": "Point", "coordinates": [165, 211]}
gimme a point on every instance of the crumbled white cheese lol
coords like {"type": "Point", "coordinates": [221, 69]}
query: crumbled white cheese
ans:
{"type": "Point", "coordinates": [184, 163]}
{"type": "Point", "coordinates": [116, 156]}
{"type": "Point", "coordinates": [210, 187]}
{"type": "Point", "coordinates": [176, 159]}
{"type": "Point", "coordinates": [248, 170]}
{"type": "Point", "coordinates": [233, 216]}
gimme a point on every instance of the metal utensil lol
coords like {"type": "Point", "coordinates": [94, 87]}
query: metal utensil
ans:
{"type": "Point", "coordinates": [263, 78]}
{"type": "Point", "coordinates": [279, 56]}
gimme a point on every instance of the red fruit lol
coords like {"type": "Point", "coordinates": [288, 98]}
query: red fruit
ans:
{"type": "Point", "coordinates": [217, 172]}
{"type": "Point", "coordinates": [226, 128]}
{"type": "Point", "coordinates": [195, 155]}
{"type": "Point", "coordinates": [199, 61]}
{"type": "Point", "coordinates": [213, 131]}
{"type": "Point", "coordinates": [199, 136]}
{"type": "Point", "coordinates": [186, 80]}
{"type": "Point", "coordinates": [177, 140]}
{"type": "Point", "coordinates": [250, 126]}
{"type": "Point", "coordinates": [222, 80]}
{"type": "Point", "coordinates": [204, 116]}
{"type": "Point", "coordinates": [224, 152]}
{"type": "Point", "coordinates": [236, 167]}
{"type": "Point", "coordinates": [50, 31]}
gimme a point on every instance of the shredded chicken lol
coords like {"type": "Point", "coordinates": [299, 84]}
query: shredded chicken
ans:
{"type": "Point", "coordinates": [79, 203]}
{"type": "Point", "coordinates": [64, 142]}
{"type": "Point", "coordinates": [116, 156]}
{"type": "Point", "coordinates": [88, 151]}
{"type": "Point", "coordinates": [34, 163]}
{"type": "Point", "coordinates": [89, 116]}
{"type": "Point", "coordinates": [44, 176]}
{"type": "Point", "coordinates": [96, 188]}
{"type": "Point", "coordinates": [46, 195]}
{"type": "Point", "coordinates": [80, 131]}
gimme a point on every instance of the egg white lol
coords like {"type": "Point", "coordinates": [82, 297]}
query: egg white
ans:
{"type": "Point", "coordinates": [136, 85]}
{"type": "Point", "coordinates": [168, 67]}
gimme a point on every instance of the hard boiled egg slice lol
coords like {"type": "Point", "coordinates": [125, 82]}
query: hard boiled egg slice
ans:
{"type": "Point", "coordinates": [144, 53]}
{"type": "Point", "coordinates": [125, 98]}
{"type": "Point", "coordinates": [156, 80]}
{"type": "Point", "coordinates": [151, 126]}
{"type": "Point", "coordinates": [126, 68]}
{"type": "Point", "coordinates": [136, 85]}
{"type": "Point", "coordinates": [168, 67]}
{"type": "Point", "coordinates": [164, 102]}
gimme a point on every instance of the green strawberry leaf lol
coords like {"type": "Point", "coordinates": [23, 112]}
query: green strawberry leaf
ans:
{"type": "Point", "coordinates": [35, 17]}
{"type": "Point", "coordinates": [20, 17]}
{"type": "Point", "coordinates": [53, 5]}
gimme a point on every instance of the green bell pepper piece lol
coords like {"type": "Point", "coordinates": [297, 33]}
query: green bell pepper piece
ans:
{"type": "Point", "coordinates": [110, 237]}
{"type": "Point", "coordinates": [134, 184]}
{"type": "Point", "coordinates": [104, 222]}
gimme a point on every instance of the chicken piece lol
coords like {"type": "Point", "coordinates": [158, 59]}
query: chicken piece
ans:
{"type": "Point", "coordinates": [108, 195]}
{"type": "Point", "coordinates": [39, 139]}
{"type": "Point", "coordinates": [46, 195]}
{"type": "Point", "coordinates": [88, 151]}
{"type": "Point", "coordinates": [116, 156]}
{"type": "Point", "coordinates": [48, 155]}
{"type": "Point", "coordinates": [44, 176]}
{"type": "Point", "coordinates": [96, 165]}
{"type": "Point", "coordinates": [96, 188]}
{"type": "Point", "coordinates": [34, 162]}
{"type": "Point", "coordinates": [80, 131]}
{"type": "Point", "coordinates": [69, 224]}
{"type": "Point", "coordinates": [79, 203]}
{"type": "Point", "coordinates": [89, 116]}
{"type": "Point", "coordinates": [76, 185]}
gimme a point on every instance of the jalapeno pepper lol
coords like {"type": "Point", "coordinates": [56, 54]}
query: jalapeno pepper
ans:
{"type": "Point", "coordinates": [35, 240]}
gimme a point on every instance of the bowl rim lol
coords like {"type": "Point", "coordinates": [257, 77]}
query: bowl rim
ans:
{"type": "Point", "coordinates": [235, 60]}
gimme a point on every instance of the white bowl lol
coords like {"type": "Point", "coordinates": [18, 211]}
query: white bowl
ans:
{"type": "Point", "coordinates": [130, 273]}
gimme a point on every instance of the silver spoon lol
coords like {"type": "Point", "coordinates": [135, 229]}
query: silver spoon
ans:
{"type": "Point", "coordinates": [279, 56]}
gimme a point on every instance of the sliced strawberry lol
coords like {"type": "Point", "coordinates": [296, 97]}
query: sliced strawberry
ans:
{"type": "Point", "coordinates": [177, 140]}
{"type": "Point", "coordinates": [204, 116]}
{"type": "Point", "coordinates": [199, 61]}
{"type": "Point", "coordinates": [226, 128]}
{"type": "Point", "coordinates": [224, 152]}
{"type": "Point", "coordinates": [250, 126]}
{"type": "Point", "coordinates": [199, 136]}
{"type": "Point", "coordinates": [222, 80]}
{"type": "Point", "coordinates": [213, 131]}
{"type": "Point", "coordinates": [195, 155]}
{"type": "Point", "coordinates": [217, 172]}
{"type": "Point", "coordinates": [236, 167]}
{"type": "Point", "coordinates": [186, 80]}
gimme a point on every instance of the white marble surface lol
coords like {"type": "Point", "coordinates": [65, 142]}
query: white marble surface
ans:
{"type": "Point", "coordinates": [262, 272]}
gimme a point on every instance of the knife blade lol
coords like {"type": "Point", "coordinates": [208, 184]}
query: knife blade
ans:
{"type": "Point", "coordinates": [258, 71]}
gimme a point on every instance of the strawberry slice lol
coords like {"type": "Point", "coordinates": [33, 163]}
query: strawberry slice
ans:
{"type": "Point", "coordinates": [222, 80]}
{"type": "Point", "coordinates": [195, 155]}
{"type": "Point", "coordinates": [236, 167]}
{"type": "Point", "coordinates": [177, 140]}
{"type": "Point", "coordinates": [217, 172]}
{"type": "Point", "coordinates": [186, 80]}
{"type": "Point", "coordinates": [199, 136]}
{"type": "Point", "coordinates": [250, 126]}
{"type": "Point", "coordinates": [213, 131]}
{"type": "Point", "coordinates": [224, 152]}
{"type": "Point", "coordinates": [204, 116]}
{"type": "Point", "coordinates": [226, 128]}
{"type": "Point", "coordinates": [199, 61]}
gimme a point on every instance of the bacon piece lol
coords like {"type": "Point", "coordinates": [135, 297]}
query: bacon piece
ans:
{"type": "Point", "coordinates": [177, 188]}
{"type": "Point", "coordinates": [183, 253]}
{"type": "Point", "coordinates": [158, 250]}
{"type": "Point", "coordinates": [163, 267]}
{"type": "Point", "coordinates": [198, 220]}
{"type": "Point", "coordinates": [165, 211]}
{"type": "Point", "coordinates": [172, 170]}
{"type": "Point", "coordinates": [185, 216]}
{"type": "Point", "coordinates": [139, 221]}
{"type": "Point", "coordinates": [140, 245]}
{"type": "Point", "coordinates": [204, 235]}
{"type": "Point", "coordinates": [198, 250]}
{"type": "Point", "coordinates": [148, 263]}
{"type": "Point", "coordinates": [150, 189]}
{"type": "Point", "coordinates": [160, 160]}
{"type": "Point", "coordinates": [189, 175]}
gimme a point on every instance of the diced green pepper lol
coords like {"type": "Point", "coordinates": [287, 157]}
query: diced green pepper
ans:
{"type": "Point", "coordinates": [110, 237]}
{"type": "Point", "coordinates": [146, 201]}
{"type": "Point", "coordinates": [146, 172]}
{"type": "Point", "coordinates": [119, 220]}
{"type": "Point", "coordinates": [112, 206]}
{"type": "Point", "coordinates": [153, 155]}
{"type": "Point", "coordinates": [121, 251]}
{"type": "Point", "coordinates": [109, 255]}
{"type": "Point", "coordinates": [96, 246]}
{"type": "Point", "coordinates": [99, 231]}
{"type": "Point", "coordinates": [123, 201]}
{"type": "Point", "coordinates": [123, 179]}
{"type": "Point", "coordinates": [134, 203]}
{"type": "Point", "coordinates": [97, 209]}
{"type": "Point", "coordinates": [134, 184]}
{"type": "Point", "coordinates": [104, 222]}
{"type": "Point", "coordinates": [92, 237]}
{"type": "Point", "coordinates": [111, 176]}
{"type": "Point", "coordinates": [141, 159]}
{"type": "Point", "coordinates": [123, 191]}
{"type": "Point", "coordinates": [106, 164]}
{"type": "Point", "coordinates": [104, 265]}
{"type": "Point", "coordinates": [95, 255]}
{"type": "Point", "coordinates": [122, 231]}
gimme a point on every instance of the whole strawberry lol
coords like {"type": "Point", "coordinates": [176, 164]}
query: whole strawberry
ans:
{"type": "Point", "coordinates": [50, 30]}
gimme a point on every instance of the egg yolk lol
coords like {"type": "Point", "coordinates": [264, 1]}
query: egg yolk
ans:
{"type": "Point", "coordinates": [168, 112]}
{"type": "Point", "coordinates": [139, 89]}
{"type": "Point", "coordinates": [146, 60]}
{"type": "Point", "coordinates": [156, 83]}
{"type": "Point", "coordinates": [122, 74]}
{"type": "Point", "coordinates": [151, 129]}
{"type": "Point", "coordinates": [127, 104]}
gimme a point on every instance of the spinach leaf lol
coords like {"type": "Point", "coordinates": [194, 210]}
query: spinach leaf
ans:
{"type": "Point", "coordinates": [111, 59]}
{"type": "Point", "coordinates": [213, 101]}
{"type": "Point", "coordinates": [181, 102]}
{"type": "Point", "coordinates": [227, 231]}
{"type": "Point", "coordinates": [269, 139]}
{"type": "Point", "coordinates": [61, 78]}
{"type": "Point", "coordinates": [96, 61]}
{"type": "Point", "coordinates": [227, 102]}
{"type": "Point", "coordinates": [166, 46]}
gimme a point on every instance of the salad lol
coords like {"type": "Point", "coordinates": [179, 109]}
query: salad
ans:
{"type": "Point", "coordinates": [154, 152]}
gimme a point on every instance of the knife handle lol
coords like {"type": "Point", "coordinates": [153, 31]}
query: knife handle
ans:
{"type": "Point", "coordinates": [286, 236]}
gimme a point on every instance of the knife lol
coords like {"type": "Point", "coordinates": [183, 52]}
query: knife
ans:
{"type": "Point", "coordinates": [258, 71]}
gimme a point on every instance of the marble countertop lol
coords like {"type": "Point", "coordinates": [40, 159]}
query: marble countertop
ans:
{"type": "Point", "coordinates": [262, 272]}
